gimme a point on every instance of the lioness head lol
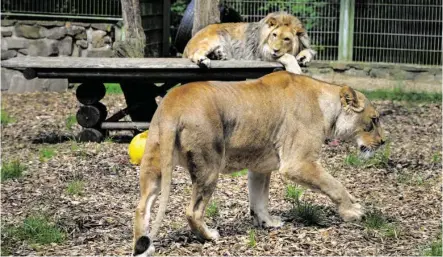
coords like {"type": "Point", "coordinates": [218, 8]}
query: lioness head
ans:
{"type": "Point", "coordinates": [361, 120]}
{"type": "Point", "coordinates": [280, 34]}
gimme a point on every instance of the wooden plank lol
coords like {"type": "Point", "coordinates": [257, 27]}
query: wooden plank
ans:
{"type": "Point", "coordinates": [126, 63]}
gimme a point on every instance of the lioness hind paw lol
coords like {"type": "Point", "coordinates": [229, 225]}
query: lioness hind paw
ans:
{"type": "Point", "coordinates": [143, 247]}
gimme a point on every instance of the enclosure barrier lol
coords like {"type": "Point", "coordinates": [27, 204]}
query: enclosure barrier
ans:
{"type": "Point", "coordinates": [396, 31]}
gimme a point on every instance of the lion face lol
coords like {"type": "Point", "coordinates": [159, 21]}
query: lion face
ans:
{"type": "Point", "coordinates": [281, 41]}
{"type": "Point", "coordinates": [361, 120]}
{"type": "Point", "coordinates": [280, 35]}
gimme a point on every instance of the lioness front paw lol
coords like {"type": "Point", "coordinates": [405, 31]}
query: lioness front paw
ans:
{"type": "Point", "coordinates": [214, 235]}
{"type": "Point", "coordinates": [268, 222]}
{"type": "Point", "coordinates": [351, 213]}
{"type": "Point", "coordinates": [305, 56]}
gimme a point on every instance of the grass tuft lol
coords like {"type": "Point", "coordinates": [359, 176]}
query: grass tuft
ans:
{"type": "Point", "coordinates": [75, 187]}
{"type": "Point", "coordinates": [294, 193]}
{"type": "Point", "coordinates": [46, 153]}
{"type": "Point", "coordinates": [434, 248]}
{"type": "Point", "coordinates": [37, 230]}
{"type": "Point", "coordinates": [113, 88]}
{"type": "Point", "coordinates": [380, 159]}
{"type": "Point", "coordinates": [5, 118]}
{"type": "Point", "coordinates": [309, 214]}
{"type": "Point", "coordinates": [212, 209]}
{"type": "Point", "coordinates": [398, 94]}
{"type": "Point", "coordinates": [10, 170]}
{"type": "Point", "coordinates": [252, 242]}
{"type": "Point", "coordinates": [70, 121]}
{"type": "Point", "coordinates": [376, 221]}
{"type": "Point", "coordinates": [239, 173]}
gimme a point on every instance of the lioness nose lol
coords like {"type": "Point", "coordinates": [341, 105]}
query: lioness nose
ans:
{"type": "Point", "coordinates": [382, 142]}
{"type": "Point", "coordinates": [276, 50]}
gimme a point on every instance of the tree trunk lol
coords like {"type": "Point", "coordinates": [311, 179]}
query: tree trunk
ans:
{"type": "Point", "coordinates": [134, 39]}
{"type": "Point", "coordinates": [205, 12]}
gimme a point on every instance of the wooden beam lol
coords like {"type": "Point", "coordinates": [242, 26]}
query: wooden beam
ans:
{"type": "Point", "coordinates": [205, 12]}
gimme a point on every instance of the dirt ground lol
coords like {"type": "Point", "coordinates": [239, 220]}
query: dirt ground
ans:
{"type": "Point", "coordinates": [407, 190]}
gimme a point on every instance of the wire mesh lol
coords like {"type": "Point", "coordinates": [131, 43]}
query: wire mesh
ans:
{"type": "Point", "coordinates": [398, 31]}
{"type": "Point", "coordinates": [320, 17]}
{"type": "Point", "coordinates": [60, 8]}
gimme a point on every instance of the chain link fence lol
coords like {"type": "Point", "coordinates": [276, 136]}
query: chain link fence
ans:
{"type": "Point", "coordinates": [395, 31]}
{"type": "Point", "coordinates": [80, 9]}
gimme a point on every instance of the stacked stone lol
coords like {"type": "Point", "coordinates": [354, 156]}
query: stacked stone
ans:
{"type": "Point", "coordinates": [51, 38]}
{"type": "Point", "coordinates": [56, 38]}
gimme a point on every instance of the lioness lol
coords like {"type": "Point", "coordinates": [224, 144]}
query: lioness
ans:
{"type": "Point", "coordinates": [275, 123]}
{"type": "Point", "coordinates": [277, 37]}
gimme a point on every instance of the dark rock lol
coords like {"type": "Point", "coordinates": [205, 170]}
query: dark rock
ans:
{"type": "Point", "coordinates": [6, 22]}
{"type": "Point", "coordinates": [24, 51]}
{"type": "Point", "coordinates": [8, 54]}
{"type": "Point", "coordinates": [31, 32]}
{"type": "Point", "coordinates": [16, 43]}
{"type": "Point", "coordinates": [102, 26]}
{"type": "Point", "coordinates": [65, 46]}
{"type": "Point", "coordinates": [6, 33]}
{"type": "Point", "coordinates": [82, 43]}
{"type": "Point", "coordinates": [44, 47]}
{"type": "Point", "coordinates": [56, 33]}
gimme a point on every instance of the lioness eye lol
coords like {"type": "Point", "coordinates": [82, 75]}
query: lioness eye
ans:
{"type": "Point", "coordinates": [375, 120]}
{"type": "Point", "coordinates": [369, 127]}
{"type": "Point", "coordinates": [274, 34]}
{"type": "Point", "coordinates": [287, 39]}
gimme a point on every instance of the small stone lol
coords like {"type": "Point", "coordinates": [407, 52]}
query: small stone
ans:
{"type": "Point", "coordinates": [16, 43]}
{"type": "Point", "coordinates": [44, 47]}
{"type": "Point", "coordinates": [8, 54]}
{"type": "Point", "coordinates": [75, 30]}
{"type": "Point", "coordinates": [65, 46]}
{"type": "Point", "coordinates": [6, 33]}
{"type": "Point", "coordinates": [4, 45]}
{"type": "Point", "coordinates": [82, 43]}
{"type": "Point", "coordinates": [75, 51]}
{"type": "Point", "coordinates": [356, 72]}
{"type": "Point", "coordinates": [102, 26]}
{"type": "Point", "coordinates": [23, 51]}
{"type": "Point", "coordinates": [27, 31]}
{"type": "Point", "coordinates": [6, 22]}
{"type": "Point", "coordinates": [56, 33]}
{"type": "Point", "coordinates": [98, 38]}
{"type": "Point", "coordinates": [100, 52]}
{"type": "Point", "coordinates": [338, 66]}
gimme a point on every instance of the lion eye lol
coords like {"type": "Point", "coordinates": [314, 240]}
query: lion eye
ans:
{"type": "Point", "coordinates": [369, 127]}
{"type": "Point", "coordinates": [287, 39]}
{"type": "Point", "coordinates": [274, 34]}
{"type": "Point", "coordinates": [375, 120]}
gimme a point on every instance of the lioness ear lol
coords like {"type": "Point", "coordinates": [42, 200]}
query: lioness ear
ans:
{"type": "Point", "coordinates": [349, 100]}
{"type": "Point", "coordinates": [271, 22]}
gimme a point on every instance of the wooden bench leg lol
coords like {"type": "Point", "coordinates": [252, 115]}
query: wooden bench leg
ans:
{"type": "Point", "coordinates": [92, 112]}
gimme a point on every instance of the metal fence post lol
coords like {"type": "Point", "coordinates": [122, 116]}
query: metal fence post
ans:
{"type": "Point", "coordinates": [346, 31]}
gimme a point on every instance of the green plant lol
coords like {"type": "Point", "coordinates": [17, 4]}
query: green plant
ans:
{"type": "Point", "coordinates": [434, 248]}
{"type": "Point", "coordinates": [391, 230]}
{"type": "Point", "coordinates": [252, 242]}
{"type": "Point", "coordinates": [10, 170]}
{"type": "Point", "coordinates": [212, 209]}
{"type": "Point", "coordinates": [37, 230]}
{"type": "Point", "coordinates": [352, 159]}
{"type": "Point", "coordinates": [46, 153]}
{"type": "Point", "coordinates": [240, 173]}
{"type": "Point", "coordinates": [5, 118]}
{"type": "Point", "coordinates": [374, 220]}
{"type": "Point", "coordinates": [308, 213]}
{"type": "Point", "coordinates": [70, 121]}
{"type": "Point", "coordinates": [113, 88]}
{"type": "Point", "coordinates": [436, 158]}
{"type": "Point", "coordinates": [398, 94]}
{"type": "Point", "coordinates": [75, 187]}
{"type": "Point", "coordinates": [293, 193]}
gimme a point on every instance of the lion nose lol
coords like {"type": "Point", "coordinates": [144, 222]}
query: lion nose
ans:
{"type": "Point", "coordinates": [276, 50]}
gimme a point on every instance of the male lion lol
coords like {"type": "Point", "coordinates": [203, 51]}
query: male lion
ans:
{"type": "Point", "coordinates": [275, 123]}
{"type": "Point", "coordinates": [278, 37]}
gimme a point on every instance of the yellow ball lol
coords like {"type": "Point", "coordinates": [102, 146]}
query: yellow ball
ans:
{"type": "Point", "coordinates": [137, 147]}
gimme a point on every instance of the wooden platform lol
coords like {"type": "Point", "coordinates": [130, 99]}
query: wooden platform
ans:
{"type": "Point", "coordinates": [77, 69]}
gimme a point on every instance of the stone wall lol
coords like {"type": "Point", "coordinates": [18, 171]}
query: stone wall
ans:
{"type": "Point", "coordinates": [51, 38]}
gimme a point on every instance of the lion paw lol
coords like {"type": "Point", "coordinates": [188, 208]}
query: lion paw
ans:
{"type": "Point", "coordinates": [214, 235]}
{"type": "Point", "coordinates": [304, 56]}
{"type": "Point", "coordinates": [268, 222]}
{"type": "Point", "coordinates": [220, 54]}
{"type": "Point", "coordinates": [204, 61]}
{"type": "Point", "coordinates": [351, 213]}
